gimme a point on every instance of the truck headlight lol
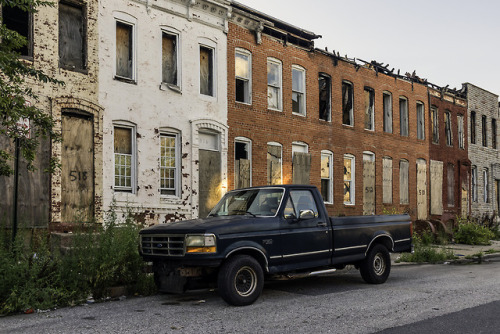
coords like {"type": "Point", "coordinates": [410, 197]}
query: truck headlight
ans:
{"type": "Point", "coordinates": [200, 243]}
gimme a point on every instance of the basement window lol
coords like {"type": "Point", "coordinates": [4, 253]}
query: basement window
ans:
{"type": "Point", "coordinates": [347, 103]}
{"type": "Point", "coordinates": [20, 21]}
{"type": "Point", "coordinates": [72, 36]}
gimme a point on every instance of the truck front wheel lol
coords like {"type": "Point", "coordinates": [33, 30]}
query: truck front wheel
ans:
{"type": "Point", "coordinates": [376, 267]}
{"type": "Point", "coordinates": [240, 280]}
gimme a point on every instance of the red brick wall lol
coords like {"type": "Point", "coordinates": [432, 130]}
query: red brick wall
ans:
{"type": "Point", "coordinates": [261, 125]}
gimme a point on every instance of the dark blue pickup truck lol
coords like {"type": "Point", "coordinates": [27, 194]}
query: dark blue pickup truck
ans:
{"type": "Point", "coordinates": [261, 232]}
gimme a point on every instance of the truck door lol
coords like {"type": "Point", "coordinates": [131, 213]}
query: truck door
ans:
{"type": "Point", "coordinates": [306, 240]}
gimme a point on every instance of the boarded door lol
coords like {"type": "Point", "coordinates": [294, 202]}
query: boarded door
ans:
{"type": "Point", "coordinates": [421, 190]}
{"type": "Point", "coordinates": [436, 187]}
{"type": "Point", "coordinates": [242, 170]}
{"type": "Point", "coordinates": [387, 180]}
{"type": "Point", "coordinates": [301, 168]}
{"type": "Point", "coordinates": [77, 201]}
{"type": "Point", "coordinates": [209, 173]}
{"type": "Point", "coordinates": [369, 187]}
{"type": "Point", "coordinates": [273, 164]}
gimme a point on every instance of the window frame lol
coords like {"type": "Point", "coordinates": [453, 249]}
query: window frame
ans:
{"type": "Point", "coordinates": [28, 55]}
{"type": "Point", "coordinates": [133, 160]}
{"type": "Point", "coordinates": [448, 128]}
{"type": "Point", "coordinates": [370, 109]}
{"type": "Point", "coordinates": [84, 28]}
{"type": "Point", "coordinates": [435, 124]}
{"type": "Point", "coordinates": [494, 133]}
{"type": "Point", "coordinates": [126, 19]}
{"type": "Point", "coordinates": [404, 116]}
{"type": "Point", "coordinates": [279, 86]}
{"type": "Point", "coordinates": [404, 200]}
{"type": "Point", "coordinates": [473, 133]}
{"type": "Point", "coordinates": [474, 184]}
{"type": "Point", "coordinates": [178, 156]}
{"type": "Point", "coordinates": [212, 69]}
{"type": "Point", "coordinates": [329, 156]}
{"type": "Point", "coordinates": [352, 180]}
{"type": "Point", "coordinates": [450, 185]}
{"type": "Point", "coordinates": [350, 112]}
{"type": "Point", "coordinates": [484, 131]}
{"type": "Point", "coordinates": [461, 131]}
{"type": "Point", "coordinates": [486, 185]}
{"type": "Point", "coordinates": [387, 195]}
{"type": "Point", "coordinates": [328, 89]}
{"type": "Point", "coordinates": [178, 59]}
{"type": "Point", "coordinates": [248, 88]}
{"type": "Point", "coordinates": [280, 160]}
{"type": "Point", "coordinates": [302, 102]}
{"type": "Point", "coordinates": [248, 142]}
{"type": "Point", "coordinates": [420, 121]}
{"type": "Point", "coordinates": [387, 108]}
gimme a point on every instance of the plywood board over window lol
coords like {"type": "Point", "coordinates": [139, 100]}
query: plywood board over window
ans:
{"type": "Point", "coordinates": [72, 36]}
{"type": "Point", "coordinates": [387, 180]}
{"type": "Point", "coordinates": [421, 189]}
{"type": "Point", "coordinates": [124, 51]}
{"type": "Point", "coordinates": [369, 185]}
{"type": "Point", "coordinates": [169, 59]}
{"type": "Point", "coordinates": [206, 71]}
{"type": "Point", "coordinates": [301, 168]}
{"type": "Point", "coordinates": [436, 187]}
{"type": "Point", "coordinates": [274, 165]}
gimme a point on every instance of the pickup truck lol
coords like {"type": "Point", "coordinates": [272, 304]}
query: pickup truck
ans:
{"type": "Point", "coordinates": [265, 232]}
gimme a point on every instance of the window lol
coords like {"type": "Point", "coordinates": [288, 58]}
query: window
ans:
{"type": "Point", "coordinates": [274, 163]}
{"type": "Point", "coordinates": [325, 96]}
{"type": "Point", "coordinates": [387, 180]}
{"type": "Point", "coordinates": [20, 21]}
{"type": "Point", "coordinates": [474, 183]}
{"type": "Point", "coordinates": [72, 36]}
{"type": "Point", "coordinates": [273, 84]}
{"type": "Point", "coordinates": [403, 182]}
{"type": "Point", "coordinates": [473, 127]}
{"type": "Point", "coordinates": [302, 200]}
{"type": "Point", "coordinates": [461, 136]}
{"type": "Point", "coordinates": [124, 51]}
{"type": "Point", "coordinates": [420, 121]}
{"type": "Point", "coordinates": [447, 128]}
{"type": "Point", "coordinates": [450, 178]}
{"type": "Point", "coordinates": [486, 186]}
{"type": "Point", "coordinates": [369, 108]}
{"type": "Point", "coordinates": [124, 152]}
{"type": "Point", "coordinates": [435, 125]}
{"type": "Point", "coordinates": [403, 116]}
{"type": "Point", "coordinates": [169, 164]}
{"type": "Point", "coordinates": [243, 70]}
{"type": "Point", "coordinates": [494, 133]}
{"type": "Point", "coordinates": [484, 132]}
{"type": "Point", "coordinates": [170, 61]}
{"type": "Point", "coordinates": [387, 105]}
{"type": "Point", "coordinates": [349, 179]}
{"type": "Point", "coordinates": [298, 90]}
{"type": "Point", "coordinates": [301, 163]}
{"type": "Point", "coordinates": [242, 162]}
{"type": "Point", "coordinates": [327, 176]}
{"type": "Point", "coordinates": [206, 70]}
{"type": "Point", "coordinates": [347, 103]}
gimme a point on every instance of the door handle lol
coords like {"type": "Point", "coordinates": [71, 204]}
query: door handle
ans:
{"type": "Point", "coordinates": [322, 224]}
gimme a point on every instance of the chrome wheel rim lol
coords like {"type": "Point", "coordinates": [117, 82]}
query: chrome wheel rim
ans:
{"type": "Point", "coordinates": [378, 264]}
{"type": "Point", "coordinates": [245, 281]}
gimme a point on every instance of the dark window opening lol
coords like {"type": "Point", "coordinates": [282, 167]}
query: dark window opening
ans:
{"type": "Point", "coordinates": [403, 117]}
{"type": "Point", "coordinates": [387, 105]}
{"type": "Point", "coordinates": [484, 131]}
{"type": "Point", "coordinates": [494, 133]}
{"type": "Point", "coordinates": [325, 89]}
{"type": "Point", "coordinates": [347, 104]}
{"type": "Point", "coordinates": [369, 108]}
{"type": "Point", "coordinates": [473, 127]}
{"type": "Point", "coordinates": [19, 21]}
{"type": "Point", "coordinates": [72, 36]}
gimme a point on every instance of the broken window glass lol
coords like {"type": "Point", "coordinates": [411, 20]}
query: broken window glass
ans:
{"type": "Point", "coordinates": [124, 51]}
{"type": "Point", "coordinates": [447, 128]}
{"type": "Point", "coordinates": [72, 36]}
{"type": "Point", "coordinates": [298, 91]}
{"type": "Point", "coordinates": [347, 103]}
{"type": "Point", "coordinates": [19, 21]}
{"type": "Point", "coordinates": [369, 108]}
{"type": "Point", "coordinates": [325, 91]}
{"type": "Point", "coordinates": [273, 84]}
{"type": "Point", "coordinates": [206, 71]}
{"type": "Point", "coordinates": [169, 59]}
{"type": "Point", "coordinates": [326, 177]}
{"type": "Point", "coordinates": [242, 164]}
{"type": "Point", "coordinates": [242, 73]}
{"type": "Point", "coordinates": [348, 179]}
{"type": "Point", "coordinates": [420, 121]}
{"type": "Point", "coordinates": [403, 116]}
{"type": "Point", "coordinates": [387, 105]}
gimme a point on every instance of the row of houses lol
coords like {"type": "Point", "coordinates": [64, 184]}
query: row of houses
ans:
{"type": "Point", "coordinates": [168, 104]}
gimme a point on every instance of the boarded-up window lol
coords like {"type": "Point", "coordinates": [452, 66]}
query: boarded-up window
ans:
{"type": "Point", "coordinates": [403, 116]}
{"type": "Point", "coordinates": [169, 164]}
{"type": "Point", "coordinates": [435, 125]}
{"type": "Point", "coordinates": [242, 69]}
{"type": "Point", "coordinates": [369, 184]}
{"type": "Point", "coordinates": [274, 164]}
{"type": "Point", "coordinates": [494, 133]}
{"type": "Point", "coordinates": [206, 71]}
{"type": "Point", "coordinates": [461, 135]}
{"type": "Point", "coordinates": [124, 50]}
{"type": "Point", "coordinates": [326, 177]}
{"type": "Point", "coordinates": [273, 84]}
{"type": "Point", "coordinates": [436, 187]}
{"type": "Point", "coordinates": [169, 58]}
{"type": "Point", "coordinates": [242, 163]}
{"type": "Point", "coordinates": [484, 132]}
{"type": "Point", "coordinates": [298, 90]}
{"type": "Point", "coordinates": [420, 121]}
{"type": "Point", "coordinates": [473, 127]}
{"type": "Point", "coordinates": [347, 103]}
{"type": "Point", "coordinates": [387, 180]}
{"type": "Point", "coordinates": [301, 167]}
{"type": "Point", "coordinates": [369, 108]}
{"type": "Point", "coordinates": [450, 180]}
{"type": "Point", "coordinates": [421, 189]}
{"type": "Point", "coordinates": [325, 96]}
{"type": "Point", "coordinates": [349, 179]}
{"type": "Point", "coordinates": [123, 151]}
{"type": "Point", "coordinates": [72, 36]}
{"type": "Point", "coordinates": [403, 182]}
{"type": "Point", "coordinates": [387, 105]}
{"type": "Point", "coordinates": [447, 128]}
{"type": "Point", "coordinates": [19, 21]}
{"type": "Point", "coordinates": [474, 183]}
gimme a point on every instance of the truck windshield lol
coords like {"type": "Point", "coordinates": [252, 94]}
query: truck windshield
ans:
{"type": "Point", "coordinates": [255, 202]}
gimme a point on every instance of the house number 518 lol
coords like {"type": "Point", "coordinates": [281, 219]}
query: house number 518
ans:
{"type": "Point", "coordinates": [76, 175]}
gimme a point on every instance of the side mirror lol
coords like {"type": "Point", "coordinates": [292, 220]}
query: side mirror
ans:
{"type": "Point", "coordinates": [306, 214]}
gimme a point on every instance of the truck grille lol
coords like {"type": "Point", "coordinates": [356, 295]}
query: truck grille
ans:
{"type": "Point", "coordinates": [165, 244]}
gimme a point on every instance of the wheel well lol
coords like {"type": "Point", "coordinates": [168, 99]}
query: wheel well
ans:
{"type": "Point", "coordinates": [385, 241]}
{"type": "Point", "coordinates": [253, 253]}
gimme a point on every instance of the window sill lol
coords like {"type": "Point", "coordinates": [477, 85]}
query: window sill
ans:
{"type": "Point", "coordinates": [272, 109]}
{"type": "Point", "coordinates": [74, 69]}
{"type": "Point", "coordinates": [297, 114]}
{"type": "Point", "coordinates": [172, 87]}
{"type": "Point", "coordinates": [243, 103]}
{"type": "Point", "coordinates": [125, 80]}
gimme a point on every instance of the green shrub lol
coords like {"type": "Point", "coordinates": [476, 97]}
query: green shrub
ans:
{"type": "Point", "coordinates": [471, 233]}
{"type": "Point", "coordinates": [425, 252]}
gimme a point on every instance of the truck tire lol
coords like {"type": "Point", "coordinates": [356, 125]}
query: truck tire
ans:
{"type": "Point", "coordinates": [240, 280]}
{"type": "Point", "coordinates": [375, 268]}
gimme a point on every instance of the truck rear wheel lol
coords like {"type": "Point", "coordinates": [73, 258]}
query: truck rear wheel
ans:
{"type": "Point", "coordinates": [240, 280]}
{"type": "Point", "coordinates": [376, 267]}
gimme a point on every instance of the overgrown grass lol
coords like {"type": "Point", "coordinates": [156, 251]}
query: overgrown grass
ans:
{"type": "Point", "coordinates": [471, 233]}
{"type": "Point", "coordinates": [426, 252]}
{"type": "Point", "coordinates": [34, 277]}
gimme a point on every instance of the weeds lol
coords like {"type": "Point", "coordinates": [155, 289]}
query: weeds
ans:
{"type": "Point", "coordinates": [471, 233]}
{"type": "Point", "coordinates": [426, 252]}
